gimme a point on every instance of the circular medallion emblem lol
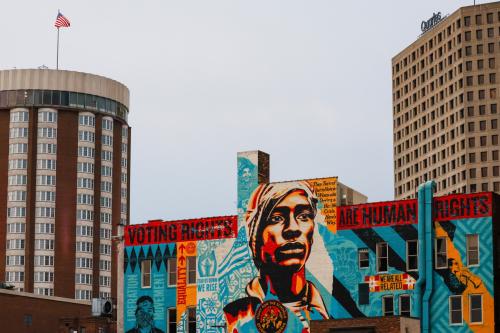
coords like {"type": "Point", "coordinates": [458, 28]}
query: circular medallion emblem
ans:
{"type": "Point", "coordinates": [191, 247]}
{"type": "Point", "coordinates": [271, 317]}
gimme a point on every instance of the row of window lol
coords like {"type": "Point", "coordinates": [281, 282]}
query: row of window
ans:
{"type": "Point", "coordinates": [43, 116]}
{"type": "Point", "coordinates": [440, 260]}
{"type": "Point", "coordinates": [46, 212]}
{"type": "Point", "coordinates": [50, 164]}
{"type": "Point", "coordinates": [89, 120]}
{"type": "Point", "coordinates": [146, 276]}
{"type": "Point", "coordinates": [455, 68]}
{"type": "Point", "coordinates": [418, 125]}
{"type": "Point", "coordinates": [14, 276]}
{"type": "Point", "coordinates": [62, 98]}
{"type": "Point", "coordinates": [475, 309]}
{"type": "Point", "coordinates": [442, 35]}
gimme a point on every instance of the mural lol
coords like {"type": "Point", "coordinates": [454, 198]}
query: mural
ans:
{"type": "Point", "coordinates": [291, 256]}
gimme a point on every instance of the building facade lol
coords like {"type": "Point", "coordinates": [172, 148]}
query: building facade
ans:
{"type": "Point", "coordinates": [64, 152]}
{"type": "Point", "coordinates": [445, 93]}
{"type": "Point", "coordinates": [293, 256]}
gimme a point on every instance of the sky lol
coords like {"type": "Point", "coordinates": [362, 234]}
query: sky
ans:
{"type": "Point", "coordinates": [308, 82]}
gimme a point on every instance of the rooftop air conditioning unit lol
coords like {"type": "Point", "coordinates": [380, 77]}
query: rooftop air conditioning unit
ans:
{"type": "Point", "coordinates": [102, 307]}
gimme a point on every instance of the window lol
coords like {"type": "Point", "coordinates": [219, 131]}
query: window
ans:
{"type": "Point", "coordinates": [146, 274]}
{"type": "Point", "coordinates": [172, 271]}
{"type": "Point", "coordinates": [16, 212]}
{"type": "Point", "coordinates": [441, 253]}
{"type": "Point", "coordinates": [82, 182]}
{"type": "Point", "coordinates": [44, 276]}
{"type": "Point", "coordinates": [105, 249]}
{"type": "Point", "coordinates": [44, 244]}
{"type": "Point", "coordinates": [85, 167]}
{"type": "Point", "coordinates": [472, 250]}
{"type": "Point", "coordinates": [388, 305]}
{"type": "Point", "coordinates": [106, 171]}
{"type": "Point", "coordinates": [81, 278]}
{"type": "Point", "coordinates": [83, 294]}
{"type": "Point", "coordinates": [105, 233]}
{"type": "Point", "coordinates": [105, 265]}
{"type": "Point", "coordinates": [16, 228]}
{"type": "Point", "coordinates": [84, 247]}
{"type": "Point", "coordinates": [15, 244]}
{"type": "Point", "coordinates": [171, 320]}
{"type": "Point", "coordinates": [18, 132]}
{"type": "Point", "coordinates": [17, 196]}
{"type": "Point", "coordinates": [191, 270]}
{"type": "Point", "coordinates": [21, 179]}
{"type": "Point", "coordinates": [86, 152]}
{"type": "Point", "coordinates": [106, 202]}
{"type": "Point", "coordinates": [191, 319]}
{"type": "Point", "coordinates": [49, 196]}
{"type": "Point", "coordinates": [47, 132]}
{"type": "Point", "coordinates": [107, 140]}
{"type": "Point", "coordinates": [107, 124]}
{"type": "Point", "coordinates": [14, 276]}
{"type": "Point", "coordinates": [46, 180]}
{"type": "Point", "coordinates": [14, 260]}
{"type": "Point", "coordinates": [455, 305]}
{"type": "Point", "coordinates": [104, 281]}
{"type": "Point", "coordinates": [382, 257]}
{"type": "Point", "coordinates": [45, 228]}
{"type": "Point", "coordinates": [47, 117]}
{"type": "Point", "coordinates": [405, 305]}
{"type": "Point", "coordinates": [489, 18]}
{"type": "Point", "coordinates": [44, 260]}
{"type": "Point", "coordinates": [363, 258]}
{"type": "Point", "coordinates": [364, 294]}
{"type": "Point", "coordinates": [19, 117]}
{"type": "Point", "coordinates": [85, 120]}
{"type": "Point", "coordinates": [484, 158]}
{"type": "Point", "coordinates": [18, 148]}
{"type": "Point", "coordinates": [106, 155]}
{"type": "Point", "coordinates": [412, 255]}
{"type": "Point", "coordinates": [84, 215]}
{"type": "Point", "coordinates": [86, 136]}
{"type": "Point", "coordinates": [106, 218]}
{"type": "Point", "coordinates": [82, 262]}
{"type": "Point", "coordinates": [18, 164]}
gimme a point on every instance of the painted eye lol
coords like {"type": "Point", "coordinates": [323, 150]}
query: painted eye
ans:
{"type": "Point", "coordinates": [305, 216]}
{"type": "Point", "coordinates": [276, 219]}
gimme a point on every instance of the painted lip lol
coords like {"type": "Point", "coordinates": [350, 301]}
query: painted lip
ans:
{"type": "Point", "coordinates": [291, 250]}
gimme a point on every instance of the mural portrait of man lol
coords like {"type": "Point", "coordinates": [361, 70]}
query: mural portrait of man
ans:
{"type": "Point", "coordinates": [281, 220]}
{"type": "Point", "coordinates": [144, 315]}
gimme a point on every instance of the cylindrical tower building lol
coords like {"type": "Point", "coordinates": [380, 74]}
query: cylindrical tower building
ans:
{"type": "Point", "coordinates": [64, 181]}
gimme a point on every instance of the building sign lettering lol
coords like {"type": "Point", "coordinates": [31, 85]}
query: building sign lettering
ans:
{"type": "Point", "coordinates": [427, 25]}
{"type": "Point", "coordinates": [180, 231]}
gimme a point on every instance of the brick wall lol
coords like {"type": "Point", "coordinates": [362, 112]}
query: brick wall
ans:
{"type": "Point", "coordinates": [29, 313]}
{"type": "Point", "coordinates": [366, 325]}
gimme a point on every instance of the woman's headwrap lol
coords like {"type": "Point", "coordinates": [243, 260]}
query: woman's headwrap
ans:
{"type": "Point", "coordinates": [263, 201]}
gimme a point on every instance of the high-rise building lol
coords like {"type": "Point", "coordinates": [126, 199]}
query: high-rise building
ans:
{"type": "Point", "coordinates": [64, 170]}
{"type": "Point", "coordinates": [445, 104]}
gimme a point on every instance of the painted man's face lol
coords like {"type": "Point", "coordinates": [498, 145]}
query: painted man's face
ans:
{"type": "Point", "coordinates": [288, 234]}
{"type": "Point", "coordinates": [145, 314]}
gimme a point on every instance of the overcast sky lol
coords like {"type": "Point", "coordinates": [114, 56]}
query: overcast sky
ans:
{"type": "Point", "coordinates": [308, 82]}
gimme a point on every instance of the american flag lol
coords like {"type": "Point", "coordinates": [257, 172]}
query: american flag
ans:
{"type": "Point", "coordinates": [61, 21]}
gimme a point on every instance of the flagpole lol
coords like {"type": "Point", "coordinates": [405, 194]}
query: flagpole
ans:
{"type": "Point", "coordinates": [57, 57]}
